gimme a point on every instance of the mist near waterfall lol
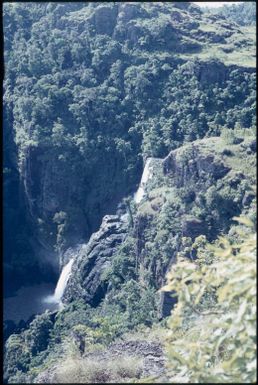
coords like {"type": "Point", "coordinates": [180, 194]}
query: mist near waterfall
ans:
{"type": "Point", "coordinates": [61, 284]}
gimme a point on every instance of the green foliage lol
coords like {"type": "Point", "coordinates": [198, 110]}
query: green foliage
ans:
{"type": "Point", "coordinates": [37, 337]}
{"type": "Point", "coordinates": [243, 13]}
{"type": "Point", "coordinates": [212, 328]}
{"type": "Point", "coordinates": [123, 265]}
{"type": "Point", "coordinates": [228, 136]}
{"type": "Point", "coordinates": [96, 325]}
{"type": "Point", "coordinates": [81, 101]}
{"type": "Point", "coordinates": [87, 97]}
{"type": "Point", "coordinates": [17, 356]}
{"type": "Point", "coordinates": [28, 349]}
{"type": "Point", "coordinates": [73, 314]}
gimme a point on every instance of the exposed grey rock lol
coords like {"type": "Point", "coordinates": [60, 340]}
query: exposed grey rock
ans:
{"type": "Point", "coordinates": [47, 376]}
{"type": "Point", "coordinates": [93, 259]}
{"type": "Point", "coordinates": [150, 352]}
{"type": "Point", "coordinates": [129, 11]}
{"type": "Point", "coordinates": [68, 254]}
{"type": "Point", "coordinates": [189, 171]}
{"type": "Point", "coordinates": [192, 164]}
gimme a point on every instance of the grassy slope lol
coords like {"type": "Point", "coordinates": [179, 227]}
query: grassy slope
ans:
{"type": "Point", "coordinates": [243, 56]}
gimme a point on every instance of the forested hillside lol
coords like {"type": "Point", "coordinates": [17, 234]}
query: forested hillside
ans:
{"type": "Point", "coordinates": [75, 73]}
{"type": "Point", "coordinates": [243, 13]}
{"type": "Point", "coordinates": [129, 143]}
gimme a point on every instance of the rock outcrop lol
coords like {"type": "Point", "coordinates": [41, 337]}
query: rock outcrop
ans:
{"type": "Point", "coordinates": [192, 163]}
{"type": "Point", "coordinates": [93, 259]}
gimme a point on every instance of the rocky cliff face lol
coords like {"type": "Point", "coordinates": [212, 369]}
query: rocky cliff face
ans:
{"type": "Point", "coordinates": [67, 209]}
{"type": "Point", "coordinates": [194, 191]}
{"type": "Point", "coordinates": [94, 259]}
{"type": "Point", "coordinates": [191, 165]}
{"type": "Point", "coordinates": [92, 90]}
{"type": "Point", "coordinates": [85, 111]}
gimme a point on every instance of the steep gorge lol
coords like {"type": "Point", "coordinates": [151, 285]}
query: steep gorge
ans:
{"type": "Point", "coordinates": [129, 140]}
{"type": "Point", "coordinates": [123, 69]}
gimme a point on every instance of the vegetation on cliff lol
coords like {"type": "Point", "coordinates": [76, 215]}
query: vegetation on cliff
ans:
{"type": "Point", "coordinates": [212, 336]}
{"type": "Point", "coordinates": [91, 91]}
{"type": "Point", "coordinates": [152, 76]}
{"type": "Point", "coordinates": [173, 217]}
{"type": "Point", "coordinates": [243, 13]}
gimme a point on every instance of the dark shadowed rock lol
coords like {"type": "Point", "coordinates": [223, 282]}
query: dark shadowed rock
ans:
{"type": "Point", "coordinates": [93, 259]}
{"type": "Point", "coordinates": [213, 71]}
{"type": "Point", "coordinates": [248, 198]}
{"type": "Point", "coordinates": [192, 227]}
{"type": "Point", "coordinates": [167, 302]}
{"type": "Point", "coordinates": [253, 145]}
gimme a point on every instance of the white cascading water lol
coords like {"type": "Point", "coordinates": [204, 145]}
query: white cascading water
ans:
{"type": "Point", "coordinates": [146, 175]}
{"type": "Point", "coordinates": [61, 284]}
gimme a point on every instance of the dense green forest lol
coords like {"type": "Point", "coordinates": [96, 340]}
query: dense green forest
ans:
{"type": "Point", "coordinates": [133, 84]}
{"type": "Point", "coordinates": [97, 95]}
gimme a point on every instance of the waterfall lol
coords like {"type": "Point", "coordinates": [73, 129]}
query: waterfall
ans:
{"type": "Point", "coordinates": [63, 279]}
{"type": "Point", "coordinates": [61, 284]}
{"type": "Point", "coordinates": [146, 175]}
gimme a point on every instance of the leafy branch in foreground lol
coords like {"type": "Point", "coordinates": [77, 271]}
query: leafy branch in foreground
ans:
{"type": "Point", "coordinates": [216, 342]}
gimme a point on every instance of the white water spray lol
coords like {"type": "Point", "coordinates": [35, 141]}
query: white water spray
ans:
{"type": "Point", "coordinates": [146, 175]}
{"type": "Point", "coordinates": [61, 284]}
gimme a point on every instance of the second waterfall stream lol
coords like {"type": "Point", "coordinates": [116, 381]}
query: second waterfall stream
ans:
{"type": "Point", "coordinates": [147, 174]}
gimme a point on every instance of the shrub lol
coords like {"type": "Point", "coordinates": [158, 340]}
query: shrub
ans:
{"type": "Point", "coordinates": [214, 341]}
{"type": "Point", "coordinates": [90, 370]}
{"type": "Point", "coordinates": [38, 334]}
{"type": "Point", "coordinates": [228, 136]}
{"type": "Point", "coordinates": [17, 357]}
{"type": "Point", "coordinates": [227, 152]}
